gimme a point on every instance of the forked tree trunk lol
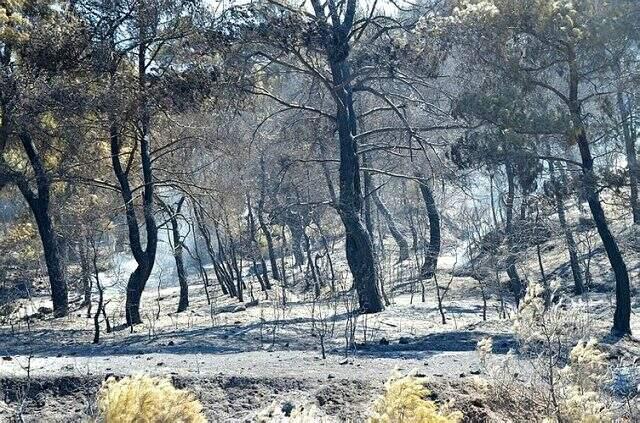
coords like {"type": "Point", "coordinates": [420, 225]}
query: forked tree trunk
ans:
{"type": "Point", "coordinates": [359, 249]}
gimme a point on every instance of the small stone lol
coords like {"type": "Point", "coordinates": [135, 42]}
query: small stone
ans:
{"type": "Point", "coordinates": [171, 343]}
{"type": "Point", "coordinates": [404, 340]}
{"type": "Point", "coordinates": [7, 358]}
{"type": "Point", "coordinates": [330, 376]}
{"type": "Point", "coordinates": [475, 372]}
{"type": "Point", "coordinates": [160, 364]}
{"type": "Point", "coordinates": [384, 341]}
{"type": "Point", "coordinates": [463, 375]}
{"type": "Point", "coordinates": [287, 408]}
{"type": "Point", "coordinates": [343, 362]}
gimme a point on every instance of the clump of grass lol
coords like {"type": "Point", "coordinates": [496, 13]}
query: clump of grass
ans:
{"type": "Point", "coordinates": [144, 399]}
{"type": "Point", "coordinates": [404, 402]}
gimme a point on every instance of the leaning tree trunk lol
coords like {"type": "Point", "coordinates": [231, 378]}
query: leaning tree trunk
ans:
{"type": "Point", "coordinates": [430, 264]}
{"type": "Point", "coordinates": [403, 246]}
{"type": "Point", "coordinates": [578, 284]}
{"type": "Point", "coordinates": [359, 249]}
{"type": "Point", "coordinates": [622, 314]}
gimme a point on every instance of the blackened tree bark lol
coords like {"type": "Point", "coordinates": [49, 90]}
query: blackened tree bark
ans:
{"type": "Point", "coordinates": [578, 284]}
{"type": "Point", "coordinates": [40, 204]}
{"type": "Point", "coordinates": [515, 282]}
{"type": "Point", "coordinates": [263, 224]}
{"type": "Point", "coordinates": [178, 246]}
{"type": "Point", "coordinates": [296, 227]}
{"type": "Point", "coordinates": [359, 249]}
{"type": "Point", "coordinates": [85, 270]}
{"type": "Point", "coordinates": [39, 201]}
{"type": "Point", "coordinates": [144, 256]}
{"type": "Point", "coordinates": [403, 246]}
{"type": "Point", "coordinates": [622, 314]}
{"type": "Point", "coordinates": [224, 280]}
{"type": "Point", "coordinates": [251, 223]}
{"type": "Point", "coordinates": [367, 179]}
{"type": "Point", "coordinates": [430, 264]}
{"type": "Point", "coordinates": [236, 268]}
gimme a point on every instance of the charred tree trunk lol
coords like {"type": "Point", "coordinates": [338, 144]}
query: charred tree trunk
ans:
{"type": "Point", "coordinates": [85, 271]}
{"type": "Point", "coordinates": [629, 136]}
{"type": "Point", "coordinates": [201, 269]}
{"type": "Point", "coordinates": [430, 264]}
{"type": "Point", "coordinates": [39, 203]}
{"type": "Point", "coordinates": [578, 284]}
{"type": "Point", "coordinates": [403, 246]}
{"type": "Point", "coordinates": [226, 285]}
{"type": "Point", "coordinates": [234, 261]}
{"type": "Point", "coordinates": [178, 247]}
{"type": "Point", "coordinates": [359, 249]}
{"type": "Point", "coordinates": [294, 223]}
{"type": "Point", "coordinates": [515, 281]}
{"type": "Point", "coordinates": [144, 256]}
{"type": "Point", "coordinates": [263, 224]}
{"type": "Point", "coordinates": [251, 223]}
{"type": "Point", "coordinates": [367, 179]}
{"type": "Point", "coordinates": [622, 315]}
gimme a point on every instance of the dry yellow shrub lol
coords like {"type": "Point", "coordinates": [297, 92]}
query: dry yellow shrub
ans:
{"type": "Point", "coordinates": [144, 399]}
{"type": "Point", "coordinates": [403, 402]}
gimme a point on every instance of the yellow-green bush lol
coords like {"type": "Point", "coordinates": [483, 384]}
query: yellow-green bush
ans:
{"type": "Point", "coordinates": [143, 399]}
{"type": "Point", "coordinates": [404, 402]}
